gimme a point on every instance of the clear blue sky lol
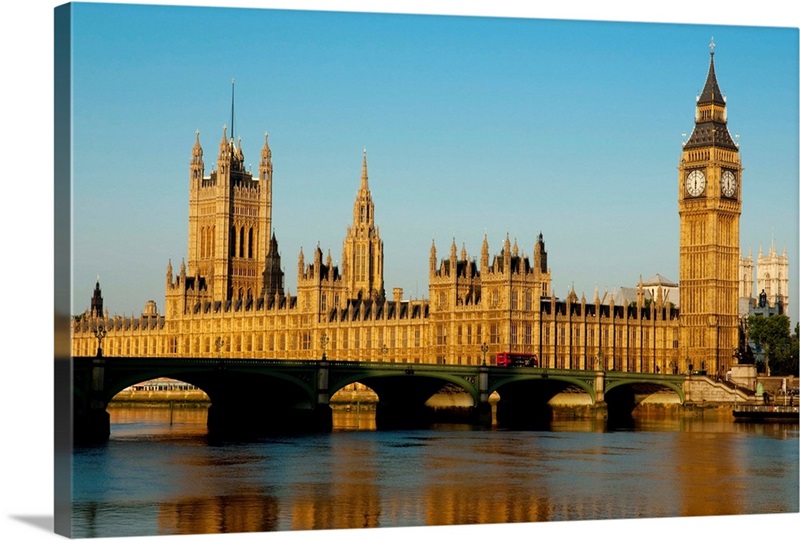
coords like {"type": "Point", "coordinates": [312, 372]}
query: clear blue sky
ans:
{"type": "Point", "coordinates": [472, 125]}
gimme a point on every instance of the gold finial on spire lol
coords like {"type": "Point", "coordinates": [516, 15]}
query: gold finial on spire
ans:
{"type": "Point", "coordinates": [712, 45]}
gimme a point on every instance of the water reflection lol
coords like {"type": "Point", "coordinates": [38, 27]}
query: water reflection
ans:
{"type": "Point", "coordinates": [159, 475]}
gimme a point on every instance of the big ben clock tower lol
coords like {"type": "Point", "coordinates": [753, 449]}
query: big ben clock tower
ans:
{"type": "Point", "coordinates": [709, 206]}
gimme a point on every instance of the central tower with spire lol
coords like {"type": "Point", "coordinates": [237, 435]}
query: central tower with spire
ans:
{"type": "Point", "coordinates": [362, 252]}
{"type": "Point", "coordinates": [709, 206]}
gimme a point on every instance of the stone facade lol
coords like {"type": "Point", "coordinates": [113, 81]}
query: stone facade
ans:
{"type": "Point", "coordinates": [229, 300]}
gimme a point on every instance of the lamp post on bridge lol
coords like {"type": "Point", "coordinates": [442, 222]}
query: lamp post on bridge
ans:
{"type": "Point", "coordinates": [100, 333]}
{"type": "Point", "coordinates": [219, 343]}
{"type": "Point", "coordinates": [484, 349]}
{"type": "Point", "coordinates": [323, 341]}
{"type": "Point", "coordinates": [384, 350]}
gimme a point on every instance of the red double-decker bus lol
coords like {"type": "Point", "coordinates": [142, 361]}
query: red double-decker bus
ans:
{"type": "Point", "coordinates": [512, 359]}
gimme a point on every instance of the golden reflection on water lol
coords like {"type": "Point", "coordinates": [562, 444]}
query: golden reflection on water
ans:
{"type": "Point", "coordinates": [506, 477]}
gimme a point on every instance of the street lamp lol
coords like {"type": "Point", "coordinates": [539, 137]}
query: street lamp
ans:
{"type": "Point", "coordinates": [100, 333]}
{"type": "Point", "coordinates": [384, 350]}
{"type": "Point", "coordinates": [323, 341]}
{"type": "Point", "coordinates": [484, 348]}
{"type": "Point", "coordinates": [218, 344]}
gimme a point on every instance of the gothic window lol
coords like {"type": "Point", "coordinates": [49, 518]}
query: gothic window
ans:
{"type": "Point", "coordinates": [250, 243]}
{"type": "Point", "coordinates": [514, 295]}
{"type": "Point", "coordinates": [441, 335]}
{"type": "Point", "coordinates": [241, 242]}
{"type": "Point", "coordinates": [494, 333]}
{"type": "Point", "coordinates": [233, 242]}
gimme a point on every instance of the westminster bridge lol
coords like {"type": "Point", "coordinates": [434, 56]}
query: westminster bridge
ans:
{"type": "Point", "coordinates": [252, 396]}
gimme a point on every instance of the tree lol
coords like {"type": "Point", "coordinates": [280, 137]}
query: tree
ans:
{"type": "Point", "coordinates": [794, 353]}
{"type": "Point", "coordinates": [771, 336]}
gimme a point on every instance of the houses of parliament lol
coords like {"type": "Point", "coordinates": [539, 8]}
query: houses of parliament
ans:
{"type": "Point", "coordinates": [227, 298]}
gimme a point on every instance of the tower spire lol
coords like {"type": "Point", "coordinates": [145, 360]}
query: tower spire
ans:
{"type": "Point", "coordinates": [233, 84]}
{"type": "Point", "coordinates": [711, 119]}
{"type": "Point", "coordinates": [364, 177]}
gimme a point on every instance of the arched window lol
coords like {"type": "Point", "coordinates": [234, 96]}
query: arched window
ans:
{"type": "Point", "coordinates": [233, 241]}
{"type": "Point", "coordinates": [250, 243]}
{"type": "Point", "coordinates": [241, 242]}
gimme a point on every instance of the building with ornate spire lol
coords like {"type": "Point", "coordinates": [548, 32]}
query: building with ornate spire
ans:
{"type": "Point", "coordinates": [228, 297]}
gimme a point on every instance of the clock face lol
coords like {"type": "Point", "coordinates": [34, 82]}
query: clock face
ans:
{"type": "Point", "coordinates": [695, 183]}
{"type": "Point", "coordinates": [728, 184]}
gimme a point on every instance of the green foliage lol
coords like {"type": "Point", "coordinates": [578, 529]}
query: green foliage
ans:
{"type": "Point", "coordinates": [771, 336]}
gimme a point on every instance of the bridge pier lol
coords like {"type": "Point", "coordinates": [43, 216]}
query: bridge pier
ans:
{"type": "Point", "coordinates": [91, 423]}
{"type": "Point", "coordinates": [402, 415]}
{"type": "Point", "coordinates": [92, 426]}
{"type": "Point", "coordinates": [227, 421]}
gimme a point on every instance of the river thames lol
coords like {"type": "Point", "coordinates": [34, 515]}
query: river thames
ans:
{"type": "Point", "coordinates": [160, 475]}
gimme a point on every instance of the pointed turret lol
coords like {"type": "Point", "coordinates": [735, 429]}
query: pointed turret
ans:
{"type": "Point", "coordinates": [273, 275]}
{"type": "Point", "coordinates": [196, 166]}
{"type": "Point", "coordinates": [301, 263]}
{"type": "Point", "coordinates": [169, 273]}
{"type": "Point", "coordinates": [432, 259]}
{"type": "Point", "coordinates": [97, 301]}
{"type": "Point", "coordinates": [540, 255]}
{"type": "Point", "coordinates": [484, 254]}
{"type": "Point", "coordinates": [640, 293]}
{"type": "Point", "coordinates": [265, 166]}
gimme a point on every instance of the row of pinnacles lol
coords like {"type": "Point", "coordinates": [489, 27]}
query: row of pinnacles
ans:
{"type": "Point", "coordinates": [462, 281]}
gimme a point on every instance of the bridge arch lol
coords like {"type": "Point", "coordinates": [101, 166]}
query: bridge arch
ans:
{"type": "Point", "coordinates": [445, 378]}
{"type": "Point", "coordinates": [404, 393]}
{"type": "Point", "coordinates": [555, 380]}
{"type": "Point", "coordinates": [672, 385]}
{"type": "Point", "coordinates": [525, 398]}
